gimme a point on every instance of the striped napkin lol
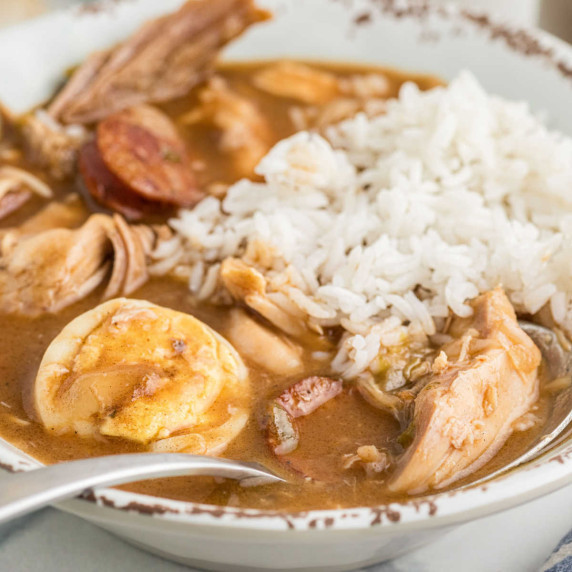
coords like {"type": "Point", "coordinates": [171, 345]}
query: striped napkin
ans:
{"type": "Point", "coordinates": [561, 559]}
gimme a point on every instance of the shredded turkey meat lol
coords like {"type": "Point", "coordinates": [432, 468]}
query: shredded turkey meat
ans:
{"type": "Point", "coordinates": [50, 145]}
{"type": "Point", "coordinates": [165, 59]}
{"type": "Point", "coordinates": [299, 400]}
{"type": "Point", "coordinates": [248, 285]}
{"type": "Point", "coordinates": [323, 98]}
{"type": "Point", "coordinates": [262, 346]}
{"type": "Point", "coordinates": [44, 269]}
{"type": "Point", "coordinates": [17, 186]}
{"type": "Point", "coordinates": [246, 135]}
{"type": "Point", "coordinates": [482, 383]}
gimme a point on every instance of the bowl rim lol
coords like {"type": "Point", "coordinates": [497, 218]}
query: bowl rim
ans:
{"type": "Point", "coordinates": [551, 471]}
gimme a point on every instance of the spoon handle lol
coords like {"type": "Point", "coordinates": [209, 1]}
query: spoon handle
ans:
{"type": "Point", "coordinates": [22, 493]}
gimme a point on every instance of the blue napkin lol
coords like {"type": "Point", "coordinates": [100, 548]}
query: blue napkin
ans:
{"type": "Point", "coordinates": [561, 559]}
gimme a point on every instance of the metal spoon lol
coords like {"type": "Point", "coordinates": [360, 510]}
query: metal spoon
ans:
{"type": "Point", "coordinates": [26, 492]}
{"type": "Point", "coordinates": [559, 364]}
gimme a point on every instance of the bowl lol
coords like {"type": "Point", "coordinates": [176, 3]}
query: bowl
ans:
{"type": "Point", "coordinates": [412, 35]}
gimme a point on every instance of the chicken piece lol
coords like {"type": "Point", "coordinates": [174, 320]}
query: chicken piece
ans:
{"type": "Point", "coordinates": [325, 99]}
{"type": "Point", "coordinates": [482, 382]}
{"type": "Point", "coordinates": [138, 164]}
{"type": "Point", "coordinates": [297, 421]}
{"type": "Point", "coordinates": [299, 400]}
{"type": "Point", "coordinates": [50, 145]}
{"type": "Point", "coordinates": [246, 135]}
{"type": "Point", "coordinates": [17, 187]}
{"type": "Point", "coordinates": [163, 60]}
{"type": "Point", "coordinates": [70, 213]}
{"type": "Point", "coordinates": [298, 81]}
{"type": "Point", "coordinates": [295, 80]}
{"type": "Point", "coordinates": [247, 285]}
{"type": "Point", "coordinates": [369, 458]}
{"type": "Point", "coordinates": [342, 108]}
{"type": "Point", "coordinates": [262, 346]}
{"type": "Point", "coordinates": [46, 271]}
{"type": "Point", "coordinates": [141, 372]}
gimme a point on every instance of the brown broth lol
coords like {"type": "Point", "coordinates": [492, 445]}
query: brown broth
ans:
{"type": "Point", "coordinates": [335, 429]}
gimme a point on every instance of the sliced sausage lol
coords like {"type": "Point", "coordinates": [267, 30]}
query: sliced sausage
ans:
{"type": "Point", "coordinates": [299, 400]}
{"type": "Point", "coordinates": [142, 148]}
{"type": "Point", "coordinates": [108, 190]}
{"type": "Point", "coordinates": [314, 426]}
{"type": "Point", "coordinates": [307, 395]}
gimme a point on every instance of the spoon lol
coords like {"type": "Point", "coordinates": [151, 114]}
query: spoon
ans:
{"type": "Point", "coordinates": [29, 491]}
{"type": "Point", "coordinates": [559, 364]}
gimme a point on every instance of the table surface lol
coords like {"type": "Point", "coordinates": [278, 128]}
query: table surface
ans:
{"type": "Point", "coordinates": [518, 540]}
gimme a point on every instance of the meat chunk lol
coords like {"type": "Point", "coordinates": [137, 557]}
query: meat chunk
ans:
{"type": "Point", "coordinates": [370, 459]}
{"type": "Point", "coordinates": [315, 426]}
{"type": "Point", "coordinates": [262, 346]}
{"type": "Point", "coordinates": [307, 395]}
{"type": "Point", "coordinates": [245, 136]}
{"type": "Point", "coordinates": [138, 164]}
{"type": "Point", "coordinates": [108, 190]}
{"type": "Point", "coordinates": [17, 187]}
{"type": "Point", "coordinates": [45, 271]}
{"type": "Point", "coordinates": [298, 81]}
{"type": "Point", "coordinates": [302, 399]}
{"type": "Point", "coordinates": [482, 382]}
{"type": "Point", "coordinates": [324, 98]}
{"type": "Point", "coordinates": [165, 59]}
{"type": "Point", "coordinates": [50, 145]}
{"type": "Point", "coordinates": [304, 83]}
{"type": "Point", "coordinates": [48, 271]}
{"type": "Point", "coordinates": [248, 285]}
{"type": "Point", "coordinates": [141, 147]}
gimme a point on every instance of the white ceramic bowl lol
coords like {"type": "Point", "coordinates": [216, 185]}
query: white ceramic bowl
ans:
{"type": "Point", "coordinates": [411, 35]}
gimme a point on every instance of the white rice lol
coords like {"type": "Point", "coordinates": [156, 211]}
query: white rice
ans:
{"type": "Point", "coordinates": [452, 190]}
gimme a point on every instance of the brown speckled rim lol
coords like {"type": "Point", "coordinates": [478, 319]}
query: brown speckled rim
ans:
{"type": "Point", "coordinates": [530, 42]}
{"type": "Point", "coordinates": [548, 473]}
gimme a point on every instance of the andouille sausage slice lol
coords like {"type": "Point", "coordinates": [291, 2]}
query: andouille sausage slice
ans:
{"type": "Point", "coordinates": [311, 428]}
{"type": "Point", "coordinates": [298, 400]}
{"type": "Point", "coordinates": [108, 190]}
{"type": "Point", "coordinates": [143, 149]}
